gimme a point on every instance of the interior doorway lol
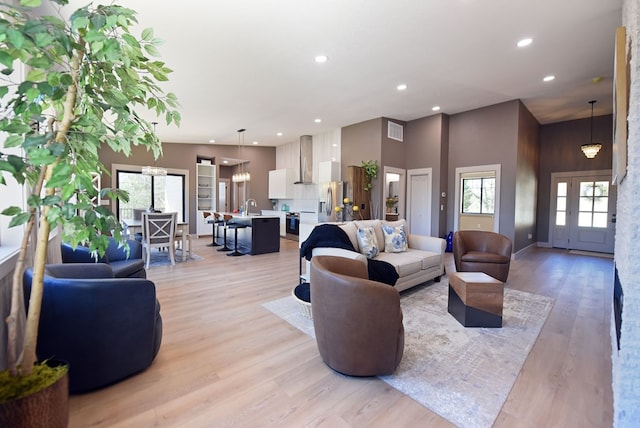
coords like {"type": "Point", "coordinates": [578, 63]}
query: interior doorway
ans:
{"type": "Point", "coordinates": [394, 194]}
{"type": "Point", "coordinates": [582, 211]}
{"type": "Point", "coordinates": [419, 196]}
{"type": "Point", "coordinates": [223, 195]}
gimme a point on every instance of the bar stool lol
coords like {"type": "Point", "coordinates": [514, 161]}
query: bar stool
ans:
{"type": "Point", "coordinates": [226, 218]}
{"type": "Point", "coordinates": [207, 214]}
{"type": "Point", "coordinates": [217, 222]}
{"type": "Point", "coordinates": [235, 242]}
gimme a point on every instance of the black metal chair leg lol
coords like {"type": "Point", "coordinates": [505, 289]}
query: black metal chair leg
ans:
{"type": "Point", "coordinates": [235, 250]}
{"type": "Point", "coordinates": [225, 248]}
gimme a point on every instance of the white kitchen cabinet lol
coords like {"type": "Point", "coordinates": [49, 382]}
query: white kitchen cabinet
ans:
{"type": "Point", "coordinates": [328, 171]}
{"type": "Point", "coordinates": [281, 183]}
{"type": "Point", "coordinates": [205, 196]}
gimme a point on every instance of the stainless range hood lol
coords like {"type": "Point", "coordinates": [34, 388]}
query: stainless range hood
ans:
{"type": "Point", "coordinates": [306, 160]}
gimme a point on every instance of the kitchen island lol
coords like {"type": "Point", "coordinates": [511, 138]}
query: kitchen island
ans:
{"type": "Point", "coordinates": [257, 234]}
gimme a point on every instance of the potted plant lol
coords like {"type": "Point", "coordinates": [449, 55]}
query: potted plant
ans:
{"type": "Point", "coordinates": [370, 172]}
{"type": "Point", "coordinates": [85, 78]}
{"type": "Point", "coordinates": [391, 203]}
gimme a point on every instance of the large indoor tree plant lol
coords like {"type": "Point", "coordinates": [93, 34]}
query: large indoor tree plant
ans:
{"type": "Point", "coordinates": [86, 82]}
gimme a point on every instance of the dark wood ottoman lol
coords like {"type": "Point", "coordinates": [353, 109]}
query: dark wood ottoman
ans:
{"type": "Point", "coordinates": [475, 299]}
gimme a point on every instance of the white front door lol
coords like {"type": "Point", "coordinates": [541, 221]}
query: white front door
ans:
{"type": "Point", "coordinates": [419, 201]}
{"type": "Point", "coordinates": [583, 212]}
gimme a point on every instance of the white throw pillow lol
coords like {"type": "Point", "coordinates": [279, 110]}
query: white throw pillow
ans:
{"type": "Point", "coordinates": [367, 242]}
{"type": "Point", "coordinates": [395, 239]}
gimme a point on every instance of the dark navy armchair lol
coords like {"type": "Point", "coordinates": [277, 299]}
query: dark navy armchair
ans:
{"type": "Point", "coordinates": [106, 328]}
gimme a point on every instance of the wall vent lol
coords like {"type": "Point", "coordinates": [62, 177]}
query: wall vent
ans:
{"type": "Point", "coordinates": [395, 131]}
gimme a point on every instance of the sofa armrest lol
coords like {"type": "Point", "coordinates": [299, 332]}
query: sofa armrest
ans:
{"type": "Point", "coordinates": [338, 252]}
{"type": "Point", "coordinates": [427, 243]}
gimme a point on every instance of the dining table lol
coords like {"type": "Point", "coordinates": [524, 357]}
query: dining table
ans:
{"type": "Point", "coordinates": [133, 226]}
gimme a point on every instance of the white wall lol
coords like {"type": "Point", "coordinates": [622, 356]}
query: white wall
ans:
{"type": "Point", "coordinates": [626, 362]}
{"type": "Point", "coordinates": [326, 147]}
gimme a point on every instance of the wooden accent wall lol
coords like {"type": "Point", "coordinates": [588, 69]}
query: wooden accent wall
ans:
{"type": "Point", "coordinates": [355, 191]}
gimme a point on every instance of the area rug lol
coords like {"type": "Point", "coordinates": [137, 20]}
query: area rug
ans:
{"type": "Point", "coordinates": [462, 374]}
{"type": "Point", "coordinates": [161, 258]}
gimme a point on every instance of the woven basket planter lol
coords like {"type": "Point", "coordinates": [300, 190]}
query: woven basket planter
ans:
{"type": "Point", "coordinates": [301, 294]}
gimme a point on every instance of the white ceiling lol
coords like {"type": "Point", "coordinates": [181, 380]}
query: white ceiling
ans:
{"type": "Point", "coordinates": [250, 63]}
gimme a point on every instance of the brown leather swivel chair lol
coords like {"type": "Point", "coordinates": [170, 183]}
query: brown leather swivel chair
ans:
{"type": "Point", "coordinates": [358, 322]}
{"type": "Point", "coordinates": [482, 251]}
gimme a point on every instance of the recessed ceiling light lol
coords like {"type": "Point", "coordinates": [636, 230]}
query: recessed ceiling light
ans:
{"type": "Point", "coordinates": [318, 120]}
{"type": "Point", "coordinates": [255, 143]}
{"type": "Point", "coordinates": [279, 134]}
{"type": "Point", "coordinates": [212, 141]}
{"type": "Point", "coordinates": [401, 87]}
{"type": "Point", "coordinates": [525, 42]}
{"type": "Point", "coordinates": [435, 108]}
{"type": "Point", "coordinates": [549, 78]}
{"type": "Point", "coordinates": [321, 58]}
{"type": "Point", "coordinates": [225, 161]}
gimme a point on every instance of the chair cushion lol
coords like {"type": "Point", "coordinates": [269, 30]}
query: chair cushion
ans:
{"type": "Point", "coordinates": [351, 230]}
{"type": "Point", "coordinates": [132, 268]}
{"type": "Point", "coordinates": [404, 263]}
{"type": "Point", "coordinates": [482, 257]}
{"type": "Point", "coordinates": [429, 259]}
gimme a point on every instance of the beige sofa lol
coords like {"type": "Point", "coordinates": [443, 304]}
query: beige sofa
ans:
{"type": "Point", "coordinates": [422, 262]}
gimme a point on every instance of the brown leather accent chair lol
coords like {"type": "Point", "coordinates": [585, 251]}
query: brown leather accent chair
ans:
{"type": "Point", "coordinates": [358, 322]}
{"type": "Point", "coordinates": [482, 251]}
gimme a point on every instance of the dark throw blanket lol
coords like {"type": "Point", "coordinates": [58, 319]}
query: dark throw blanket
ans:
{"type": "Point", "coordinates": [330, 235]}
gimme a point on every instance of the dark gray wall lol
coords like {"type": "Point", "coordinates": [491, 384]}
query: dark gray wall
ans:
{"type": "Point", "coordinates": [183, 156]}
{"type": "Point", "coordinates": [428, 148]}
{"type": "Point", "coordinates": [481, 137]}
{"type": "Point", "coordinates": [560, 152]}
{"type": "Point", "coordinates": [526, 179]}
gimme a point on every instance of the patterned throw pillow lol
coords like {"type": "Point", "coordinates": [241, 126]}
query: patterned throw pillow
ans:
{"type": "Point", "coordinates": [395, 240]}
{"type": "Point", "coordinates": [367, 242]}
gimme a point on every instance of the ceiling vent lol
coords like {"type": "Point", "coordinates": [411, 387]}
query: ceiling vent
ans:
{"type": "Point", "coordinates": [395, 131]}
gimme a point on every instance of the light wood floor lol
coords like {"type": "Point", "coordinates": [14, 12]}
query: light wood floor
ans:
{"type": "Point", "coordinates": [226, 361]}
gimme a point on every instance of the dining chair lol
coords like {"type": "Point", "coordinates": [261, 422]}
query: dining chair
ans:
{"type": "Point", "coordinates": [158, 231]}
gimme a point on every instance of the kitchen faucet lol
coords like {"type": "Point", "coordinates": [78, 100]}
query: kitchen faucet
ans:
{"type": "Point", "coordinates": [246, 205]}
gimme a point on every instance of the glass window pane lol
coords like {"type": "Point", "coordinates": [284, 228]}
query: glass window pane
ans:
{"type": "Point", "coordinates": [139, 188]}
{"type": "Point", "coordinates": [586, 188]}
{"type": "Point", "coordinates": [488, 195]}
{"type": "Point", "coordinates": [601, 204]}
{"type": "Point", "coordinates": [601, 188]}
{"type": "Point", "coordinates": [168, 193]}
{"type": "Point", "coordinates": [561, 218]}
{"type": "Point", "coordinates": [584, 219]}
{"type": "Point", "coordinates": [586, 204]}
{"type": "Point", "coordinates": [561, 204]}
{"type": "Point", "coordinates": [600, 220]}
{"type": "Point", "coordinates": [471, 195]}
{"type": "Point", "coordinates": [562, 189]}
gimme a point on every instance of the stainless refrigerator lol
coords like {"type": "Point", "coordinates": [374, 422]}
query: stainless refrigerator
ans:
{"type": "Point", "coordinates": [331, 195]}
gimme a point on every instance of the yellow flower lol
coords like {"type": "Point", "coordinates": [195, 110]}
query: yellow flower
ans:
{"type": "Point", "coordinates": [355, 208]}
{"type": "Point", "coordinates": [337, 209]}
{"type": "Point", "coordinates": [346, 200]}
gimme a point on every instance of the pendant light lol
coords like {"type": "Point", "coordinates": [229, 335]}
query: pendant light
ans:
{"type": "Point", "coordinates": [591, 150]}
{"type": "Point", "coordinates": [154, 170]}
{"type": "Point", "coordinates": [241, 177]}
